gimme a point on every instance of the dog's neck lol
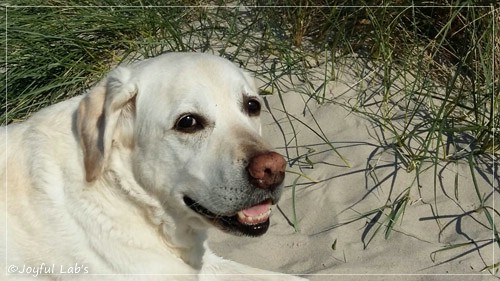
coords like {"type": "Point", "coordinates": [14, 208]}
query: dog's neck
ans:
{"type": "Point", "coordinates": [187, 242]}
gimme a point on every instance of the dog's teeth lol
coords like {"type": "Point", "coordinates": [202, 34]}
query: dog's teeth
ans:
{"type": "Point", "coordinates": [253, 219]}
{"type": "Point", "coordinates": [241, 216]}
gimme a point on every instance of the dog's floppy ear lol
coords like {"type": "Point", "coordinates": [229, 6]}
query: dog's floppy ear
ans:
{"type": "Point", "coordinates": [98, 115]}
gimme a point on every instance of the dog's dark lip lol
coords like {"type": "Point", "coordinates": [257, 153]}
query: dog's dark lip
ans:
{"type": "Point", "coordinates": [227, 223]}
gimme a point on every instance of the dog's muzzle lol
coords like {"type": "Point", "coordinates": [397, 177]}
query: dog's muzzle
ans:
{"type": "Point", "coordinates": [266, 172]}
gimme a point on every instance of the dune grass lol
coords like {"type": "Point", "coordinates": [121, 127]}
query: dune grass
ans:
{"type": "Point", "coordinates": [436, 67]}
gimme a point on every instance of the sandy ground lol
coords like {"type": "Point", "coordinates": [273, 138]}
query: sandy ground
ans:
{"type": "Point", "coordinates": [324, 248]}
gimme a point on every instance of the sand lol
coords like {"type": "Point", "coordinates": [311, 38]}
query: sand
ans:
{"type": "Point", "coordinates": [324, 248]}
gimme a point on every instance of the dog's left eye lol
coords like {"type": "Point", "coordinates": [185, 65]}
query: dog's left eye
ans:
{"type": "Point", "coordinates": [252, 106]}
{"type": "Point", "coordinates": [189, 123]}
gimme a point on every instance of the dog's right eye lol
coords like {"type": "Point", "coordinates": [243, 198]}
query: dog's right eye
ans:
{"type": "Point", "coordinates": [189, 123]}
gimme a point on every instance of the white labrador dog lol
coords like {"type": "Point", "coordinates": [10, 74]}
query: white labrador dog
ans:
{"type": "Point", "coordinates": [122, 183]}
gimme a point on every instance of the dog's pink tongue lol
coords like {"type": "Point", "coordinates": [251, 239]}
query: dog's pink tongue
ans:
{"type": "Point", "coordinates": [257, 209]}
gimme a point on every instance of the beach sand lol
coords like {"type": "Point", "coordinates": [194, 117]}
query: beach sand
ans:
{"type": "Point", "coordinates": [439, 211]}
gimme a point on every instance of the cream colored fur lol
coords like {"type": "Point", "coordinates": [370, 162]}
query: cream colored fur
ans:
{"type": "Point", "coordinates": [95, 182]}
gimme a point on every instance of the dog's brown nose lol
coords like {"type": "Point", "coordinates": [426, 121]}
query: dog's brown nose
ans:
{"type": "Point", "coordinates": [267, 170]}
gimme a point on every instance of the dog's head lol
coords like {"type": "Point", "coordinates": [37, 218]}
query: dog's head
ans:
{"type": "Point", "coordinates": [191, 124]}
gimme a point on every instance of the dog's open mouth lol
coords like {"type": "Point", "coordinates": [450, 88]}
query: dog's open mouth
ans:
{"type": "Point", "coordinates": [252, 221]}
